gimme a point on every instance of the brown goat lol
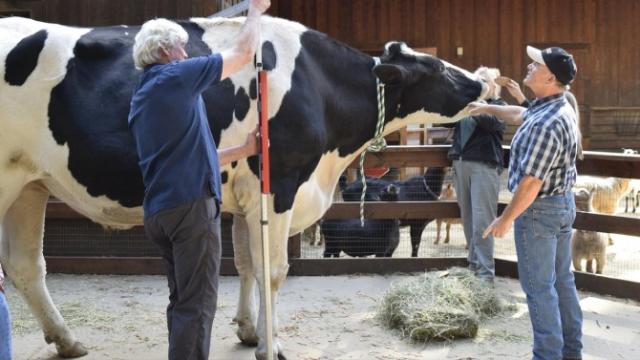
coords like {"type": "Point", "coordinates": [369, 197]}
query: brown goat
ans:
{"type": "Point", "coordinates": [588, 245]}
{"type": "Point", "coordinates": [448, 193]}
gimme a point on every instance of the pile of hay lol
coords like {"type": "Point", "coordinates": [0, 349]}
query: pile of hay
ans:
{"type": "Point", "coordinates": [439, 305]}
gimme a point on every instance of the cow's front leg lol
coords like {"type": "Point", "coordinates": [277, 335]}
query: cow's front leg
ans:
{"type": "Point", "coordinates": [278, 234]}
{"type": "Point", "coordinates": [21, 255]}
{"type": "Point", "coordinates": [246, 314]}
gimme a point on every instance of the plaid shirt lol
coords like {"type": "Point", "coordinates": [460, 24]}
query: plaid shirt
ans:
{"type": "Point", "coordinates": [545, 146]}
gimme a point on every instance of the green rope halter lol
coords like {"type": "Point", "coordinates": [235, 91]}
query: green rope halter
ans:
{"type": "Point", "coordinates": [377, 144]}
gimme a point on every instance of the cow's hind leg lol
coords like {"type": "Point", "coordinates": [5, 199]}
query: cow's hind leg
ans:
{"type": "Point", "coordinates": [246, 314]}
{"type": "Point", "coordinates": [278, 234]}
{"type": "Point", "coordinates": [21, 255]}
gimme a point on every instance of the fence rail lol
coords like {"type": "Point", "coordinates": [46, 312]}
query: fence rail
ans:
{"type": "Point", "coordinates": [595, 163]}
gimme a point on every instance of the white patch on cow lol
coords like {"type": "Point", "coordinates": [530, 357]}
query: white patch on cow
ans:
{"type": "Point", "coordinates": [219, 34]}
{"type": "Point", "coordinates": [315, 196]}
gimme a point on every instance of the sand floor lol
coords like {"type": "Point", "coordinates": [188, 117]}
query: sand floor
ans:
{"type": "Point", "coordinates": [122, 317]}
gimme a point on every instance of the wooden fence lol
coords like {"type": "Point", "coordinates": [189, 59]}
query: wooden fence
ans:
{"type": "Point", "coordinates": [595, 163]}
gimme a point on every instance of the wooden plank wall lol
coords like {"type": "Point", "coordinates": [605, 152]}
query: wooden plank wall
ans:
{"type": "Point", "coordinates": [602, 34]}
{"type": "Point", "coordinates": [111, 12]}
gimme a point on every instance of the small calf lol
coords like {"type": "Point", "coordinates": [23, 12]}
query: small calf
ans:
{"type": "Point", "coordinates": [448, 193]}
{"type": "Point", "coordinates": [588, 245]}
{"type": "Point", "coordinates": [379, 237]}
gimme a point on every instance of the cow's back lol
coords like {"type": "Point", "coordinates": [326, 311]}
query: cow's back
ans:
{"type": "Point", "coordinates": [66, 95]}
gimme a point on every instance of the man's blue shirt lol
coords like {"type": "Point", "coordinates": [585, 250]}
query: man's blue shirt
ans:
{"type": "Point", "coordinates": [176, 151]}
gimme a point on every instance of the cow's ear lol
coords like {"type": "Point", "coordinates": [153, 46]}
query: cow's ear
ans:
{"type": "Point", "coordinates": [390, 74]}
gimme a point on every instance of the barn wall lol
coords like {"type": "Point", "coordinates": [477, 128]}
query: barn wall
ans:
{"type": "Point", "coordinates": [602, 34]}
{"type": "Point", "coordinates": [110, 12]}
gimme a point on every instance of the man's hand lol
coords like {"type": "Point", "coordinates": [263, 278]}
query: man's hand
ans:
{"type": "Point", "coordinates": [513, 88]}
{"type": "Point", "coordinates": [250, 147]}
{"type": "Point", "coordinates": [498, 228]}
{"type": "Point", "coordinates": [252, 143]}
{"type": "Point", "coordinates": [260, 5]}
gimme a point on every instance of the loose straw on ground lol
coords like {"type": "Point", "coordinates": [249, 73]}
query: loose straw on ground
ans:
{"type": "Point", "coordinates": [439, 305]}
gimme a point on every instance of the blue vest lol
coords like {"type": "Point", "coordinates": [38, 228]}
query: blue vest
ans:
{"type": "Point", "coordinates": [176, 151]}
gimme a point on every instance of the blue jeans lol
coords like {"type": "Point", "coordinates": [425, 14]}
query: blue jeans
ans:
{"type": "Point", "coordinates": [477, 187]}
{"type": "Point", "coordinates": [543, 245]}
{"type": "Point", "coordinates": [5, 329]}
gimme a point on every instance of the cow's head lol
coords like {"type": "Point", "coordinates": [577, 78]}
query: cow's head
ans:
{"type": "Point", "coordinates": [418, 82]}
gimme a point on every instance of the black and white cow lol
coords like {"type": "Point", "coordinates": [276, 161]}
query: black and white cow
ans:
{"type": "Point", "coordinates": [64, 100]}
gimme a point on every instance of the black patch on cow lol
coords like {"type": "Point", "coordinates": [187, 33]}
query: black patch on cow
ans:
{"type": "Point", "coordinates": [219, 100]}
{"type": "Point", "coordinates": [253, 90]}
{"type": "Point", "coordinates": [23, 58]}
{"type": "Point", "coordinates": [234, 164]}
{"type": "Point", "coordinates": [269, 57]}
{"type": "Point", "coordinates": [224, 176]}
{"type": "Point", "coordinates": [88, 111]}
{"type": "Point", "coordinates": [242, 104]}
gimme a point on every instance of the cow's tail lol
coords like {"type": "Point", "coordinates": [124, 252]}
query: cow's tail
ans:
{"type": "Point", "coordinates": [574, 104]}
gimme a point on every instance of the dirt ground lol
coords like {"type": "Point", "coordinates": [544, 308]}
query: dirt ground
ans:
{"type": "Point", "coordinates": [122, 317]}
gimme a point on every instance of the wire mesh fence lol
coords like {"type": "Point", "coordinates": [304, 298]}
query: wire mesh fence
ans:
{"type": "Point", "coordinates": [621, 258]}
{"type": "Point", "coordinates": [391, 237]}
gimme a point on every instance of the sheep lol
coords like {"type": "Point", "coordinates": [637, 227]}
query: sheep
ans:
{"type": "Point", "coordinates": [633, 196]}
{"type": "Point", "coordinates": [588, 245]}
{"type": "Point", "coordinates": [449, 193]}
{"type": "Point", "coordinates": [634, 192]}
{"type": "Point", "coordinates": [313, 235]}
{"type": "Point", "coordinates": [605, 192]}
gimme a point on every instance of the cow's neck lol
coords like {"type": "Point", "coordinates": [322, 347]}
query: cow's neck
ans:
{"type": "Point", "coordinates": [350, 91]}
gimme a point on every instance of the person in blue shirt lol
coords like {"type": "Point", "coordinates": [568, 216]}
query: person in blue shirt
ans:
{"type": "Point", "coordinates": [542, 172]}
{"type": "Point", "coordinates": [5, 323]}
{"type": "Point", "coordinates": [180, 167]}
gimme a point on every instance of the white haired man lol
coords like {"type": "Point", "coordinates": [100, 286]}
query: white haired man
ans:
{"type": "Point", "coordinates": [181, 168]}
{"type": "Point", "coordinates": [542, 171]}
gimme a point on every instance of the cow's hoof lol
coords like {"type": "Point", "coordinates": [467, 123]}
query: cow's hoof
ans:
{"type": "Point", "coordinates": [247, 336]}
{"type": "Point", "coordinates": [74, 351]}
{"type": "Point", "coordinates": [263, 356]}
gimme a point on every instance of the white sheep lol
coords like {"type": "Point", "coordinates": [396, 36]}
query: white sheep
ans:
{"type": "Point", "coordinates": [634, 192]}
{"type": "Point", "coordinates": [605, 193]}
{"type": "Point", "coordinates": [588, 245]}
{"type": "Point", "coordinates": [633, 196]}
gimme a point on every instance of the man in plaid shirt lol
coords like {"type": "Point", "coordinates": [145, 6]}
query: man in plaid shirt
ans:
{"type": "Point", "coordinates": [5, 323]}
{"type": "Point", "coordinates": [542, 172]}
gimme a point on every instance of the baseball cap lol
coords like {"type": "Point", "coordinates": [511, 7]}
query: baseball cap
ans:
{"type": "Point", "coordinates": [557, 60]}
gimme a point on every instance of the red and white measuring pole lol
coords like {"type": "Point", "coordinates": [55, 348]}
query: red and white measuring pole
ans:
{"type": "Point", "coordinates": [265, 185]}
{"type": "Point", "coordinates": [265, 176]}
